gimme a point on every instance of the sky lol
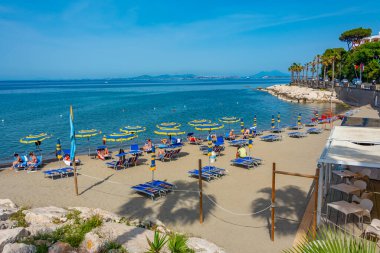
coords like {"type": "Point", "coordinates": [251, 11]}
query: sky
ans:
{"type": "Point", "coordinates": [122, 38]}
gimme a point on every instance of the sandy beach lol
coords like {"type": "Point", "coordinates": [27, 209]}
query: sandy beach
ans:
{"type": "Point", "coordinates": [229, 223]}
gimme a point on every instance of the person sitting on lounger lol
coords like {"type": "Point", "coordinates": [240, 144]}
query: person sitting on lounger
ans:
{"type": "Point", "coordinates": [160, 153]}
{"type": "Point", "coordinates": [246, 133]}
{"type": "Point", "coordinates": [242, 152]}
{"type": "Point", "coordinates": [100, 153]}
{"type": "Point", "coordinates": [232, 135]}
{"type": "Point", "coordinates": [33, 158]}
{"type": "Point", "coordinates": [148, 145]}
{"type": "Point", "coordinates": [17, 161]}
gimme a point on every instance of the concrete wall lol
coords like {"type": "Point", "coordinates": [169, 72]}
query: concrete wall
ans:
{"type": "Point", "coordinates": [358, 97]}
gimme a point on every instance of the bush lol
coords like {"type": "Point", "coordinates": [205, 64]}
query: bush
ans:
{"type": "Point", "coordinates": [178, 244]}
{"type": "Point", "coordinates": [158, 242]}
{"type": "Point", "coordinates": [113, 246]}
{"type": "Point", "coordinates": [19, 217]}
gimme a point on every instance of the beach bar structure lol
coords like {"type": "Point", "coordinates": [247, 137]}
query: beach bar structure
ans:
{"type": "Point", "coordinates": [353, 148]}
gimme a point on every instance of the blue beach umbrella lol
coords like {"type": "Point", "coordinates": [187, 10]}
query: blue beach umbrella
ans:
{"type": "Point", "coordinates": [278, 119]}
{"type": "Point", "coordinates": [88, 133]}
{"type": "Point", "coordinates": [199, 122]}
{"type": "Point", "coordinates": [255, 121]}
{"type": "Point", "coordinates": [299, 120]}
{"type": "Point", "coordinates": [133, 129]}
{"type": "Point", "coordinates": [272, 123]}
{"type": "Point", "coordinates": [168, 125]}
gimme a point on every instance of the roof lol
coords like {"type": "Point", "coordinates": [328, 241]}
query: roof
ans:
{"type": "Point", "coordinates": [356, 146]}
{"type": "Point", "coordinates": [360, 122]}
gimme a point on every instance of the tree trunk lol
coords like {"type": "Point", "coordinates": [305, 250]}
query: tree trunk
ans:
{"type": "Point", "coordinates": [318, 71]}
{"type": "Point", "coordinates": [333, 72]}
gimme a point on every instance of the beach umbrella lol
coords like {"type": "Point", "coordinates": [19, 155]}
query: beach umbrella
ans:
{"type": "Point", "coordinates": [119, 137]}
{"type": "Point", "coordinates": [209, 127]}
{"type": "Point", "coordinates": [272, 124]}
{"type": "Point", "coordinates": [242, 125]}
{"type": "Point", "coordinates": [299, 120]}
{"type": "Point", "coordinates": [73, 148]}
{"type": "Point", "coordinates": [316, 116]}
{"type": "Point", "coordinates": [36, 139]}
{"type": "Point", "coordinates": [229, 120]}
{"type": "Point", "coordinates": [133, 129]}
{"type": "Point", "coordinates": [87, 134]}
{"type": "Point", "coordinates": [153, 161]}
{"type": "Point", "coordinates": [278, 119]}
{"type": "Point", "coordinates": [58, 149]}
{"type": "Point", "coordinates": [168, 125]}
{"type": "Point", "coordinates": [169, 132]}
{"type": "Point", "coordinates": [250, 141]}
{"type": "Point", "coordinates": [199, 122]}
{"type": "Point", "coordinates": [255, 121]}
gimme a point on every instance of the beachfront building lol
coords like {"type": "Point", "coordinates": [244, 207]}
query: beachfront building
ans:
{"type": "Point", "coordinates": [373, 38]}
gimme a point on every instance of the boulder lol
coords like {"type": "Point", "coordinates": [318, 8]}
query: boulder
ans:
{"type": "Point", "coordinates": [11, 236]}
{"type": "Point", "coordinates": [36, 229]}
{"type": "Point", "coordinates": [87, 212]}
{"type": "Point", "coordinates": [204, 246]}
{"type": "Point", "coordinates": [7, 207]}
{"type": "Point", "coordinates": [92, 243]}
{"type": "Point", "coordinates": [19, 248]}
{"type": "Point", "coordinates": [60, 247]}
{"type": "Point", "coordinates": [8, 224]}
{"type": "Point", "coordinates": [132, 238]}
{"type": "Point", "coordinates": [45, 215]}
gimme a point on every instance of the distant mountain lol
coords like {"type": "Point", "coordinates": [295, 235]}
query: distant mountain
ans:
{"type": "Point", "coordinates": [270, 74]}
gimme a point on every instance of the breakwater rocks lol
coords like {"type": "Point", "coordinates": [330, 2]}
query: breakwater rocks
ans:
{"type": "Point", "coordinates": [301, 94]}
{"type": "Point", "coordinates": [84, 230]}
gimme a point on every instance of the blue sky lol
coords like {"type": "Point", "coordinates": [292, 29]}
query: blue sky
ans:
{"type": "Point", "coordinates": [99, 39]}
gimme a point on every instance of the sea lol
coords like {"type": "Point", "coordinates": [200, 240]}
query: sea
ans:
{"type": "Point", "coordinates": [33, 107]}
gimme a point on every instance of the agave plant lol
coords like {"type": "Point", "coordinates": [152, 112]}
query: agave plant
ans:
{"type": "Point", "coordinates": [332, 240]}
{"type": "Point", "coordinates": [178, 244]}
{"type": "Point", "coordinates": [158, 242]}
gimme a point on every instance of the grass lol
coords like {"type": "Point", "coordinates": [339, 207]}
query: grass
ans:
{"type": "Point", "coordinates": [113, 246]}
{"type": "Point", "coordinates": [19, 217]}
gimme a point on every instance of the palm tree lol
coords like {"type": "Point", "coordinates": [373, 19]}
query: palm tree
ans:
{"type": "Point", "coordinates": [317, 60]}
{"type": "Point", "coordinates": [291, 70]}
{"type": "Point", "coordinates": [325, 63]}
{"type": "Point", "coordinates": [307, 71]}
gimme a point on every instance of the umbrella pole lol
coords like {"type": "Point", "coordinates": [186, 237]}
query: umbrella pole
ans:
{"type": "Point", "coordinates": [88, 141]}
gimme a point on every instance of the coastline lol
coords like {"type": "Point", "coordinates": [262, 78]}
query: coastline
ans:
{"type": "Point", "coordinates": [295, 94]}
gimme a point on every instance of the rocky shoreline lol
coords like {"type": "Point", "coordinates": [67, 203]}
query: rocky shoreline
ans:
{"type": "Point", "coordinates": [297, 94]}
{"type": "Point", "coordinates": [81, 229]}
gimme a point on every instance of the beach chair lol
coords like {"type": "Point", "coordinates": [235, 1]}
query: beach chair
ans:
{"type": "Point", "coordinates": [116, 164]}
{"type": "Point", "coordinates": [238, 143]}
{"type": "Point", "coordinates": [297, 134]}
{"type": "Point", "coordinates": [161, 185]}
{"type": "Point", "coordinates": [167, 156]}
{"type": "Point", "coordinates": [34, 166]}
{"type": "Point", "coordinates": [152, 192]}
{"type": "Point", "coordinates": [248, 162]}
{"type": "Point", "coordinates": [271, 138]}
{"type": "Point", "coordinates": [59, 172]}
{"type": "Point", "coordinates": [101, 156]}
{"type": "Point", "coordinates": [311, 124]}
{"type": "Point", "coordinates": [176, 153]}
{"type": "Point", "coordinates": [314, 130]}
{"type": "Point", "coordinates": [219, 141]}
{"type": "Point", "coordinates": [132, 161]}
{"type": "Point", "coordinates": [23, 164]}
{"type": "Point", "coordinates": [276, 130]}
{"type": "Point", "coordinates": [295, 127]}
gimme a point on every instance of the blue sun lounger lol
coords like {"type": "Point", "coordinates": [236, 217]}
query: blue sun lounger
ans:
{"type": "Point", "coordinates": [271, 138]}
{"type": "Point", "coordinates": [152, 192]}
{"type": "Point", "coordinates": [59, 172]}
{"type": "Point", "coordinates": [117, 164]}
{"type": "Point", "coordinates": [297, 134]}
{"type": "Point", "coordinates": [276, 130]}
{"type": "Point", "coordinates": [248, 162]}
{"type": "Point", "coordinates": [311, 124]}
{"type": "Point", "coordinates": [236, 143]}
{"type": "Point", "coordinates": [23, 164]}
{"type": "Point", "coordinates": [295, 127]}
{"type": "Point", "coordinates": [34, 166]}
{"type": "Point", "coordinates": [162, 185]}
{"type": "Point", "coordinates": [315, 130]}
{"type": "Point", "coordinates": [208, 173]}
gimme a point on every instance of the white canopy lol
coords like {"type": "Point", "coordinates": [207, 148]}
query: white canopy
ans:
{"type": "Point", "coordinates": [355, 146]}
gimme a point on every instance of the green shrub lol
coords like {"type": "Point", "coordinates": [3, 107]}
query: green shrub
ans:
{"type": "Point", "coordinates": [73, 215]}
{"type": "Point", "coordinates": [158, 242]}
{"type": "Point", "coordinates": [19, 217]}
{"type": "Point", "coordinates": [112, 245]}
{"type": "Point", "coordinates": [178, 244]}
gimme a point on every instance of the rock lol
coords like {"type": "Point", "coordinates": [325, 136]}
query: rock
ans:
{"type": "Point", "coordinates": [135, 222]}
{"type": "Point", "coordinates": [36, 229]}
{"type": "Point", "coordinates": [92, 243]}
{"type": "Point", "coordinates": [11, 236]}
{"type": "Point", "coordinates": [7, 224]}
{"type": "Point", "coordinates": [204, 246]}
{"type": "Point", "coordinates": [45, 215]}
{"type": "Point", "coordinates": [88, 212]}
{"type": "Point", "coordinates": [132, 238]}
{"type": "Point", "coordinates": [7, 207]}
{"type": "Point", "coordinates": [60, 247]}
{"type": "Point", "coordinates": [19, 248]}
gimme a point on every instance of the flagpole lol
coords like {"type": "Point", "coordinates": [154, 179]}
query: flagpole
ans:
{"type": "Point", "coordinates": [72, 151]}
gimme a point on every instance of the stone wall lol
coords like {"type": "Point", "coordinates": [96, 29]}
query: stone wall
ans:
{"type": "Point", "coordinates": [358, 97]}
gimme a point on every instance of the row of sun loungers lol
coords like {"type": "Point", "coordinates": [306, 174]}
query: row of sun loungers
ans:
{"type": "Point", "coordinates": [217, 149]}
{"type": "Point", "coordinates": [59, 172]}
{"type": "Point", "coordinates": [238, 143]}
{"type": "Point", "coordinates": [248, 162]}
{"type": "Point", "coordinates": [170, 154]}
{"type": "Point", "coordinates": [297, 134]}
{"type": "Point", "coordinates": [119, 164]}
{"type": "Point", "coordinates": [208, 173]}
{"type": "Point", "coordinates": [271, 137]}
{"type": "Point", "coordinates": [24, 164]}
{"type": "Point", "coordinates": [314, 130]}
{"type": "Point", "coordinates": [154, 189]}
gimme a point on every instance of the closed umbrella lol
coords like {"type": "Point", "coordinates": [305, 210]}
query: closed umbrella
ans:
{"type": "Point", "coordinates": [58, 150]}
{"type": "Point", "coordinates": [133, 129]}
{"type": "Point", "coordinates": [255, 121]}
{"type": "Point", "coordinates": [168, 125]}
{"type": "Point", "coordinates": [278, 119]}
{"type": "Point", "coordinates": [153, 161]}
{"type": "Point", "coordinates": [272, 123]}
{"type": "Point", "coordinates": [299, 120]}
{"type": "Point", "coordinates": [88, 133]}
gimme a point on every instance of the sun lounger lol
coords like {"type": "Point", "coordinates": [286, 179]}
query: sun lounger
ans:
{"type": "Point", "coordinates": [295, 127]}
{"type": "Point", "coordinates": [311, 124]}
{"type": "Point", "coordinates": [297, 134]}
{"type": "Point", "coordinates": [315, 130]}
{"type": "Point", "coordinates": [131, 161]}
{"type": "Point", "coordinates": [152, 192]}
{"type": "Point", "coordinates": [248, 162]}
{"type": "Point", "coordinates": [208, 173]}
{"type": "Point", "coordinates": [276, 130]}
{"type": "Point", "coordinates": [237, 143]}
{"type": "Point", "coordinates": [161, 185]}
{"type": "Point", "coordinates": [34, 166]}
{"type": "Point", "coordinates": [271, 137]}
{"type": "Point", "coordinates": [119, 164]}
{"type": "Point", "coordinates": [58, 172]}
{"type": "Point", "coordinates": [167, 156]}
{"type": "Point", "coordinates": [23, 164]}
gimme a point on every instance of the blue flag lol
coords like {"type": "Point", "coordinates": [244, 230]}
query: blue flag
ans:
{"type": "Point", "coordinates": [72, 136]}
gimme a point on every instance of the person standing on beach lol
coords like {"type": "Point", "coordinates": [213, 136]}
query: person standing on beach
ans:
{"type": "Point", "coordinates": [242, 152]}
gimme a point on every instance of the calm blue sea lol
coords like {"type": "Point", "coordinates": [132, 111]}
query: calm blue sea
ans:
{"type": "Point", "coordinates": [32, 107]}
